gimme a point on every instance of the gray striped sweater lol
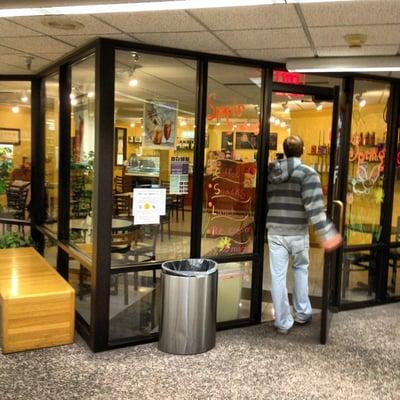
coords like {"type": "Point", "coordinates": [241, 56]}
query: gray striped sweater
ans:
{"type": "Point", "coordinates": [295, 200]}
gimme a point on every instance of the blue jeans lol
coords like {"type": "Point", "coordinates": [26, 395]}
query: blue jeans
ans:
{"type": "Point", "coordinates": [280, 248]}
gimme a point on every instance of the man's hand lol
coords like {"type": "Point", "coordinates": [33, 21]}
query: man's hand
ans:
{"type": "Point", "coordinates": [333, 243]}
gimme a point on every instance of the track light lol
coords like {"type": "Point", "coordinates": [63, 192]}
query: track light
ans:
{"type": "Point", "coordinates": [286, 108]}
{"type": "Point", "coordinates": [361, 101]}
{"type": "Point", "coordinates": [318, 106]}
{"type": "Point", "coordinates": [133, 82]}
{"type": "Point", "coordinates": [24, 98]}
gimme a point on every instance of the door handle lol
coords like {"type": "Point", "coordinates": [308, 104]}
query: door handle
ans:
{"type": "Point", "coordinates": [339, 204]}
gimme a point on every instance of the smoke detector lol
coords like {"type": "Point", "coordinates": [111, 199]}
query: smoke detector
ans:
{"type": "Point", "coordinates": [355, 40]}
{"type": "Point", "coordinates": [62, 23]}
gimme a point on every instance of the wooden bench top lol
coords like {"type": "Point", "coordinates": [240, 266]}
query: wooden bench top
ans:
{"type": "Point", "coordinates": [25, 273]}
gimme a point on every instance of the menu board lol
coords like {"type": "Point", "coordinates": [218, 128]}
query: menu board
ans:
{"type": "Point", "coordinates": [179, 177]}
{"type": "Point", "coordinates": [230, 206]}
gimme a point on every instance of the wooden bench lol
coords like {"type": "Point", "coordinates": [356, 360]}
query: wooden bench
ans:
{"type": "Point", "coordinates": [38, 305]}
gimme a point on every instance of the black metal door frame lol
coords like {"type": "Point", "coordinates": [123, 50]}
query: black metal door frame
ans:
{"type": "Point", "coordinates": [329, 276]}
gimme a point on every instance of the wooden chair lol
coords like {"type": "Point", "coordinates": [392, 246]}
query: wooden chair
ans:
{"type": "Point", "coordinates": [134, 247]}
{"type": "Point", "coordinates": [122, 206]}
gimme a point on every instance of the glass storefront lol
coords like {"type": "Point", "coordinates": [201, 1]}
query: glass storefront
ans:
{"type": "Point", "coordinates": [158, 153]}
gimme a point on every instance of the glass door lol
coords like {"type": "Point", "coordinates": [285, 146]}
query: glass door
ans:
{"type": "Point", "coordinates": [311, 113]}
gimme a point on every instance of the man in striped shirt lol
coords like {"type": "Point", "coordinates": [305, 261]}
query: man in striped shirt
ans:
{"type": "Point", "coordinates": [295, 200]}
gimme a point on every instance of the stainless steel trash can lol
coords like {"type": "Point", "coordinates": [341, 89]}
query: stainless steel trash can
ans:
{"type": "Point", "coordinates": [188, 306]}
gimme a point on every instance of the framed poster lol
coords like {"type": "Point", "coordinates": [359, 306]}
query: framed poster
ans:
{"type": "Point", "coordinates": [120, 146]}
{"type": "Point", "coordinates": [159, 122]}
{"type": "Point", "coordinates": [10, 136]}
{"type": "Point", "coordinates": [273, 140]}
{"type": "Point", "coordinates": [246, 140]}
{"type": "Point", "coordinates": [226, 141]}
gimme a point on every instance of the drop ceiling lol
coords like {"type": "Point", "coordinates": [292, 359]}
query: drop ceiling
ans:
{"type": "Point", "coordinates": [273, 32]}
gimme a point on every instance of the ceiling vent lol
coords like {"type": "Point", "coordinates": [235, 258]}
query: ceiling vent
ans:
{"type": "Point", "coordinates": [355, 40]}
{"type": "Point", "coordinates": [62, 23]}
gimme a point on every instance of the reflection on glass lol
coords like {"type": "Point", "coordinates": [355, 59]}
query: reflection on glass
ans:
{"type": "Point", "coordinates": [234, 290]}
{"type": "Point", "coordinates": [15, 149]}
{"type": "Point", "coordinates": [80, 277]}
{"type": "Point", "coordinates": [154, 122]}
{"type": "Point", "coordinates": [230, 160]}
{"type": "Point", "coordinates": [366, 163]}
{"type": "Point", "coordinates": [51, 150]}
{"type": "Point", "coordinates": [50, 251]}
{"type": "Point", "coordinates": [134, 304]}
{"type": "Point", "coordinates": [358, 275]}
{"type": "Point", "coordinates": [82, 150]}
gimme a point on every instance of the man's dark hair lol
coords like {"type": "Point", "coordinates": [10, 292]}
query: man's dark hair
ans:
{"type": "Point", "coordinates": [293, 146]}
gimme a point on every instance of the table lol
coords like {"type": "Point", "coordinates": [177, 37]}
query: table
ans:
{"type": "Point", "coordinates": [117, 225]}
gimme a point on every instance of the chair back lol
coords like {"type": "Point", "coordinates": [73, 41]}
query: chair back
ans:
{"type": "Point", "coordinates": [16, 200]}
{"type": "Point", "coordinates": [121, 242]}
{"type": "Point", "coordinates": [122, 206]}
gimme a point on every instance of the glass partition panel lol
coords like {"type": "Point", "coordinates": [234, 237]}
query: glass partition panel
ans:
{"type": "Point", "coordinates": [15, 154]}
{"type": "Point", "coordinates": [82, 150]}
{"type": "Point", "coordinates": [52, 106]}
{"type": "Point", "coordinates": [232, 134]}
{"type": "Point", "coordinates": [366, 162]}
{"type": "Point", "coordinates": [394, 252]}
{"type": "Point", "coordinates": [134, 304]}
{"type": "Point", "coordinates": [155, 99]}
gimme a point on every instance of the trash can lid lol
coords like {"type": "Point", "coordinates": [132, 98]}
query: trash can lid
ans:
{"type": "Point", "coordinates": [189, 267]}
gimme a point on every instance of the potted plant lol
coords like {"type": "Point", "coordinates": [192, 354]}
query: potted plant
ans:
{"type": "Point", "coordinates": [13, 239]}
{"type": "Point", "coordinates": [6, 165]}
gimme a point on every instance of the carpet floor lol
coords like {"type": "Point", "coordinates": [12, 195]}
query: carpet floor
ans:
{"type": "Point", "coordinates": [361, 361]}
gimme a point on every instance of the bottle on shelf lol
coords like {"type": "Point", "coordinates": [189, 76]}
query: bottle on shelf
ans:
{"type": "Point", "coordinates": [372, 139]}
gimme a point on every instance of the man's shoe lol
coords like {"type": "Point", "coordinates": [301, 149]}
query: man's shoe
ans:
{"type": "Point", "coordinates": [299, 321]}
{"type": "Point", "coordinates": [282, 331]}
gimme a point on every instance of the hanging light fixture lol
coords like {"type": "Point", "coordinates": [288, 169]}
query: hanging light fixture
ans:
{"type": "Point", "coordinates": [15, 109]}
{"type": "Point", "coordinates": [319, 106]}
{"type": "Point", "coordinates": [24, 98]}
{"type": "Point", "coordinates": [361, 100]}
{"type": "Point", "coordinates": [286, 108]}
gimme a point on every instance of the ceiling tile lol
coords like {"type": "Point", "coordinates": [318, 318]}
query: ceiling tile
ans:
{"type": "Point", "coordinates": [163, 21]}
{"type": "Point", "coordinates": [91, 25]}
{"type": "Point", "coordinates": [198, 41]}
{"type": "Point", "coordinates": [279, 55]}
{"type": "Point", "coordinates": [35, 44]}
{"type": "Point", "coordinates": [260, 17]}
{"type": "Point", "coordinates": [80, 40]}
{"type": "Point", "coordinates": [395, 74]}
{"type": "Point", "coordinates": [8, 69]}
{"type": "Point", "coordinates": [342, 51]}
{"type": "Point", "coordinates": [377, 34]}
{"type": "Point", "coordinates": [19, 61]}
{"type": "Point", "coordinates": [7, 50]}
{"type": "Point", "coordinates": [10, 29]}
{"type": "Point", "coordinates": [352, 13]}
{"type": "Point", "coordinates": [52, 56]}
{"type": "Point", "coordinates": [266, 38]}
